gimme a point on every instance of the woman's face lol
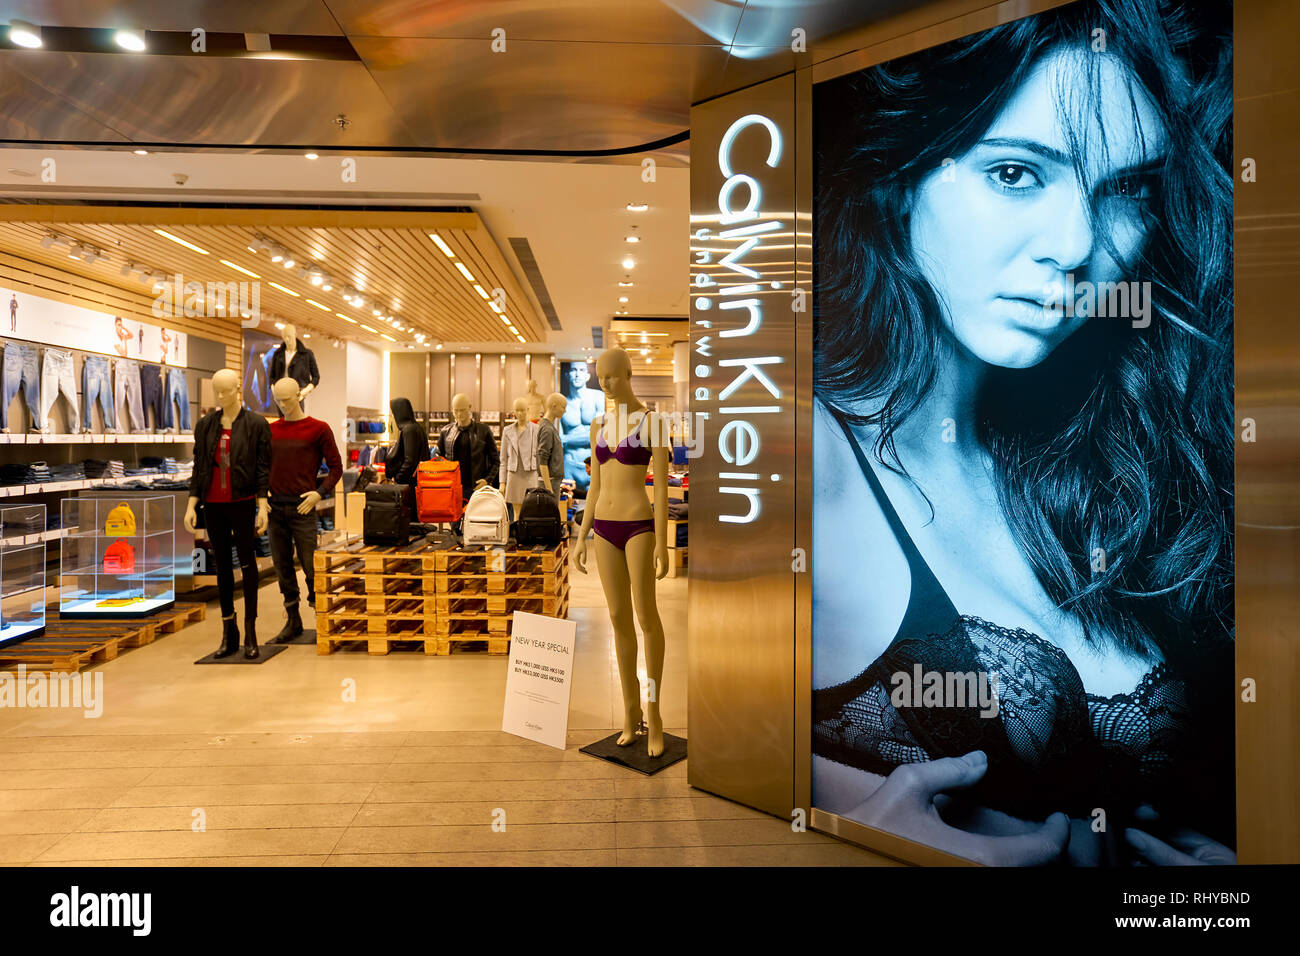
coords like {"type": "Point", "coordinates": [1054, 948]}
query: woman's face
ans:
{"type": "Point", "coordinates": [999, 233]}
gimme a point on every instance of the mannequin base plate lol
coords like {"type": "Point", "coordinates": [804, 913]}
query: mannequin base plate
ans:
{"type": "Point", "coordinates": [308, 636]}
{"type": "Point", "coordinates": [267, 651]}
{"type": "Point", "coordinates": [634, 755]}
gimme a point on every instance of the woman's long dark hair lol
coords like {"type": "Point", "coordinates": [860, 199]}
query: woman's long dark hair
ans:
{"type": "Point", "coordinates": [1122, 439]}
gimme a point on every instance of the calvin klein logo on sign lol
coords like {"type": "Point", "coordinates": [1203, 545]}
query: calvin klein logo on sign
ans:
{"type": "Point", "coordinates": [736, 290]}
{"type": "Point", "coordinates": [75, 909]}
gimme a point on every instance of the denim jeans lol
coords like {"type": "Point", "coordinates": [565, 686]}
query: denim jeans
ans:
{"type": "Point", "coordinates": [126, 393]}
{"type": "Point", "coordinates": [21, 373]}
{"type": "Point", "coordinates": [95, 384]}
{"type": "Point", "coordinates": [288, 528]}
{"type": "Point", "coordinates": [152, 390]}
{"type": "Point", "coordinates": [228, 525]}
{"type": "Point", "coordinates": [178, 391]}
{"type": "Point", "coordinates": [58, 378]}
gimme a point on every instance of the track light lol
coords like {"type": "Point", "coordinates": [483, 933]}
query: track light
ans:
{"type": "Point", "coordinates": [24, 34]}
{"type": "Point", "coordinates": [50, 241]}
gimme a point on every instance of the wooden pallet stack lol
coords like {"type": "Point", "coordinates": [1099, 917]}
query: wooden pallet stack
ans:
{"type": "Point", "coordinates": [478, 591]}
{"type": "Point", "coordinates": [69, 645]}
{"type": "Point", "coordinates": [377, 595]}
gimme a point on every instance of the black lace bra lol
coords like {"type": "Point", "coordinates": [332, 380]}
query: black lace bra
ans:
{"type": "Point", "coordinates": [1051, 746]}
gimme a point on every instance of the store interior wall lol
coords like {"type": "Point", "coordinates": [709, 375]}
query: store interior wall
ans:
{"type": "Point", "coordinates": [329, 402]}
{"type": "Point", "coordinates": [365, 384]}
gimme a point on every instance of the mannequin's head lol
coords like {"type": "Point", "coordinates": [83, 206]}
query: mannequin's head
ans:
{"type": "Point", "coordinates": [614, 372]}
{"type": "Point", "coordinates": [531, 387]}
{"type": "Point", "coordinates": [555, 405]}
{"type": "Point", "coordinates": [461, 410]}
{"type": "Point", "coordinates": [521, 411]}
{"type": "Point", "coordinates": [285, 392]}
{"type": "Point", "coordinates": [290, 336]}
{"type": "Point", "coordinates": [226, 388]}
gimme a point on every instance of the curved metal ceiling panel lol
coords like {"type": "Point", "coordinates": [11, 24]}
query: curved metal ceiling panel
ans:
{"type": "Point", "coordinates": [216, 16]}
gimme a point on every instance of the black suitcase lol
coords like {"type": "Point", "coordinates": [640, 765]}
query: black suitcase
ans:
{"type": "Point", "coordinates": [539, 519]}
{"type": "Point", "coordinates": [386, 519]}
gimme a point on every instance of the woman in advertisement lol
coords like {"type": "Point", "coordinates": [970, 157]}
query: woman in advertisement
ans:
{"type": "Point", "coordinates": [1023, 441]}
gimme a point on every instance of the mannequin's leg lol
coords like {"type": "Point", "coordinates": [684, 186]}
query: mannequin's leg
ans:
{"type": "Point", "coordinates": [218, 527]}
{"type": "Point", "coordinates": [641, 571]}
{"type": "Point", "coordinates": [618, 595]}
{"type": "Point", "coordinates": [244, 514]}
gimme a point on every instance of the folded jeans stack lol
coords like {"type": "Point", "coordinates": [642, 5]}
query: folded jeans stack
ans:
{"type": "Point", "coordinates": [14, 473]}
{"type": "Point", "coordinates": [40, 472]}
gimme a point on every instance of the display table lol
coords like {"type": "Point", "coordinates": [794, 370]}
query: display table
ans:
{"type": "Point", "coordinates": [441, 597]}
{"type": "Point", "coordinates": [118, 557]}
{"type": "Point", "coordinates": [22, 573]}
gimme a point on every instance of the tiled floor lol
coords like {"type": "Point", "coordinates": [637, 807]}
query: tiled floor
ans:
{"type": "Point", "coordinates": [270, 766]}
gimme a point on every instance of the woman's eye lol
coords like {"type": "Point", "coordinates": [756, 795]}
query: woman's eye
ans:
{"type": "Point", "coordinates": [1013, 176]}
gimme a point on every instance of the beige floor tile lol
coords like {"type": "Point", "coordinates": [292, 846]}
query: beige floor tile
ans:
{"type": "Point", "coordinates": [282, 756]}
{"type": "Point", "coordinates": [25, 847]}
{"type": "Point", "coordinates": [492, 790]}
{"type": "Point", "coordinates": [701, 806]}
{"type": "Point", "coordinates": [713, 833]}
{"type": "Point", "coordinates": [89, 759]}
{"type": "Point", "coordinates": [69, 798]}
{"type": "Point", "coordinates": [516, 752]}
{"type": "Point", "coordinates": [217, 776]}
{"type": "Point", "coordinates": [480, 839]}
{"type": "Point", "coordinates": [826, 854]}
{"type": "Point", "coordinates": [93, 778]}
{"type": "Point", "coordinates": [604, 857]}
{"type": "Point", "coordinates": [535, 770]}
{"type": "Point", "coordinates": [13, 743]}
{"type": "Point", "coordinates": [244, 795]}
{"type": "Point", "coordinates": [222, 861]}
{"type": "Point", "coordinates": [124, 819]}
{"type": "Point", "coordinates": [213, 843]}
{"type": "Point", "coordinates": [42, 821]}
{"type": "Point", "coordinates": [294, 740]}
{"type": "Point", "coordinates": [479, 812]}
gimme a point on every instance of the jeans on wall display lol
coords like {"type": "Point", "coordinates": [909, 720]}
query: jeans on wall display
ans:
{"type": "Point", "coordinates": [177, 393]}
{"type": "Point", "coordinates": [58, 378]}
{"type": "Point", "coordinates": [95, 384]}
{"type": "Point", "coordinates": [21, 374]}
{"type": "Point", "coordinates": [127, 393]}
{"type": "Point", "coordinates": [151, 388]}
{"type": "Point", "coordinates": [1022, 518]}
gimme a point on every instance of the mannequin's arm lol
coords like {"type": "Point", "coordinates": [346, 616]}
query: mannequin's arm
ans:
{"type": "Point", "coordinates": [313, 371]}
{"type": "Point", "coordinates": [263, 476]}
{"type": "Point", "coordinates": [191, 514]}
{"type": "Point", "coordinates": [659, 458]}
{"type": "Point", "coordinates": [305, 391]}
{"type": "Point", "coordinates": [493, 454]}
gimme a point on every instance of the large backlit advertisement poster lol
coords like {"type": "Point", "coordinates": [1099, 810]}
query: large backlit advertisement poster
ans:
{"type": "Point", "coordinates": [585, 402]}
{"type": "Point", "coordinates": [33, 318]}
{"type": "Point", "coordinates": [257, 348]}
{"type": "Point", "coordinates": [1023, 441]}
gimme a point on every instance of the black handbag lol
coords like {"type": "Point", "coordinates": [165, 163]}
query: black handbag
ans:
{"type": "Point", "coordinates": [386, 519]}
{"type": "Point", "coordinates": [539, 519]}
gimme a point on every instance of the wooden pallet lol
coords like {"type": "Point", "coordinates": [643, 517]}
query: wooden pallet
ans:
{"type": "Point", "coordinates": [350, 633]}
{"type": "Point", "coordinates": [67, 646]}
{"type": "Point", "coordinates": [512, 561]}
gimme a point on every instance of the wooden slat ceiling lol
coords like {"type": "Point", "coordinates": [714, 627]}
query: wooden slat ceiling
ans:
{"type": "Point", "coordinates": [388, 257]}
{"type": "Point", "coordinates": [648, 338]}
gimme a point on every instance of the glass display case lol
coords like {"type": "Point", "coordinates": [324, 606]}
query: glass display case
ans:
{"type": "Point", "coordinates": [22, 572]}
{"type": "Point", "coordinates": [118, 556]}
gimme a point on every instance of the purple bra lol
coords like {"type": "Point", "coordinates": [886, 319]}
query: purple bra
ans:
{"type": "Point", "coordinates": [624, 454]}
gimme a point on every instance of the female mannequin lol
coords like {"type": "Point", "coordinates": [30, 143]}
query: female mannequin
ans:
{"type": "Point", "coordinates": [536, 404]}
{"type": "Point", "coordinates": [629, 558]}
{"type": "Point", "coordinates": [232, 477]}
{"type": "Point", "coordinates": [518, 457]}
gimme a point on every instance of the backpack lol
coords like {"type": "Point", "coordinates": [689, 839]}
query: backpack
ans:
{"type": "Point", "coordinates": [539, 519]}
{"type": "Point", "coordinates": [386, 519]}
{"type": "Point", "coordinates": [119, 558]}
{"type": "Point", "coordinates": [437, 491]}
{"type": "Point", "coordinates": [486, 520]}
{"type": "Point", "coordinates": [121, 521]}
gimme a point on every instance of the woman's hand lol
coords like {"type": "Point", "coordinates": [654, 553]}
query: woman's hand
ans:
{"type": "Point", "coordinates": [1185, 847]}
{"type": "Point", "coordinates": [905, 804]}
{"type": "Point", "coordinates": [580, 554]}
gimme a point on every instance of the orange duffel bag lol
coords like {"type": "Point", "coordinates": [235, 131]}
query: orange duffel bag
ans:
{"type": "Point", "coordinates": [437, 491]}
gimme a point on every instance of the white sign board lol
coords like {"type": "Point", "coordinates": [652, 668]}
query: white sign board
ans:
{"type": "Point", "coordinates": [44, 321]}
{"type": "Point", "coordinates": [540, 679]}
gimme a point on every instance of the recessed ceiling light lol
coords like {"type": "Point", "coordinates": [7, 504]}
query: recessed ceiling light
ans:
{"type": "Point", "coordinates": [496, 308]}
{"type": "Point", "coordinates": [437, 239]}
{"type": "Point", "coordinates": [279, 325]}
{"type": "Point", "coordinates": [385, 335]}
{"type": "Point", "coordinates": [631, 238]}
{"type": "Point", "coordinates": [622, 298]}
{"type": "Point", "coordinates": [626, 284]}
{"type": "Point", "coordinates": [313, 155]}
{"type": "Point", "coordinates": [647, 361]}
{"type": "Point", "coordinates": [465, 272]}
{"type": "Point", "coordinates": [177, 239]}
{"type": "Point", "coordinates": [438, 346]}
{"type": "Point", "coordinates": [481, 291]}
{"type": "Point", "coordinates": [369, 329]}
{"type": "Point", "coordinates": [227, 262]}
{"type": "Point", "coordinates": [140, 152]}
{"type": "Point", "coordinates": [345, 318]}
{"type": "Point", "coordinates": [323, 308]}
{"type": "Point", "coordinates": [637, 207]}
{"type": "Point", "coordinates": [132, 40]}
{"type": "Point", "coordinates": [276, 285]}
{"type": "Point", "coordinates": [25, 34]}
{"type": "Point", "coordinates": [629, 263]}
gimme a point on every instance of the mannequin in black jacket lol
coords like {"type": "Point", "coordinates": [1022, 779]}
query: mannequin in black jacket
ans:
{"type": "Point", "coordinates": [411, 446]}
{"type": "Point", "coordinates": [472, 445]}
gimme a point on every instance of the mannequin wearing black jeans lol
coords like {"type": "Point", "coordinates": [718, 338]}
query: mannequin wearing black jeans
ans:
{"type": "Point", "coordinates": [227, 524]}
